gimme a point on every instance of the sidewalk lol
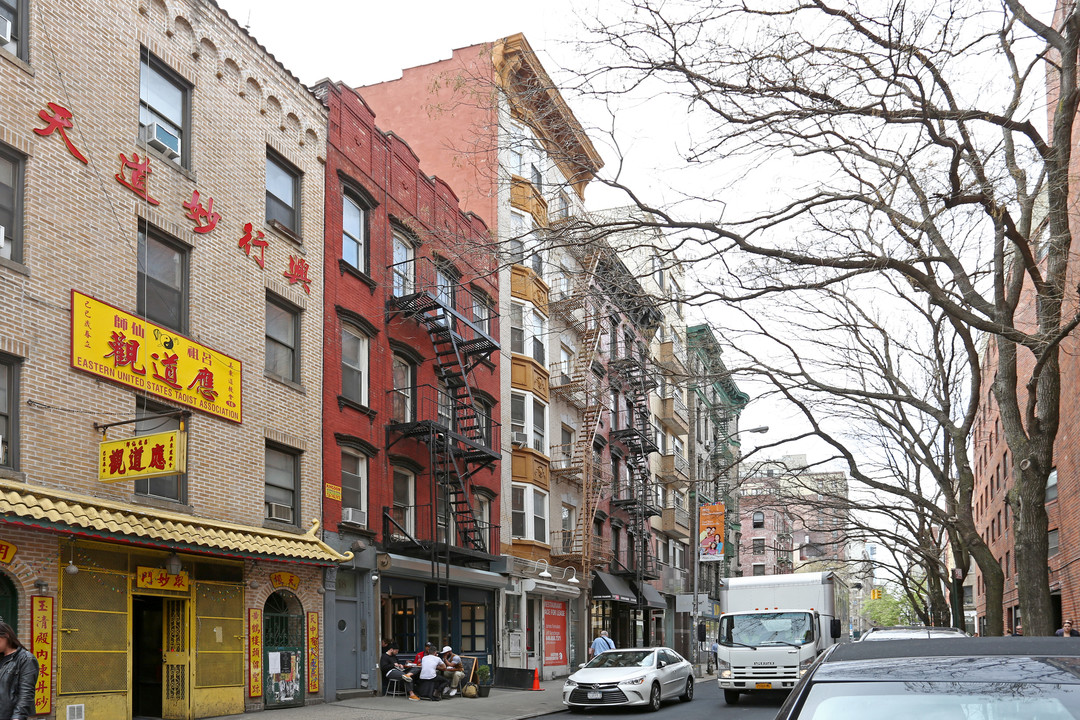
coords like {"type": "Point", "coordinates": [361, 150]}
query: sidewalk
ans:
{"type": "Point", "coordinates": [500, 705]}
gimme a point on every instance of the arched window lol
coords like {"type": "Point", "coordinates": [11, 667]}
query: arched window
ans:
{"type": "Point", "coordinates": [759, 519]}
{"type": "Point", "coordinates": [9, 603]}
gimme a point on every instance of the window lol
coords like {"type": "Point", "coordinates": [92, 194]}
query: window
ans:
{"type": "Point", "coordinates": [1052, 543]}
{"type": "Point", "coordinates": [568, 525]}
{"type": "Point", "coordinates": [561, 209]}
{"type": "Point", "coordinates": [354, 474]}
{"type": "Point", "coordinates": [164, 102]}
{"type": "Point", "coordinates": [520, 234]}
{"type": "Point", "coordinates": [538, 335]}
{"type": "Point", "coordinates": [282, 192]}
{"type": "Point", "coordinates": [282, 340]}
{"type": "Point", "coordinates": [528, 332]}
{"type": "Point", "coordinates": [403, 266]}
{"type": "Point", "coordinates": [9, 404]}
{"type": "Point", "coordinates": [485, 415]}
{"type": "Point", "coordinates": [12, 169]}
{"type": "Point", "coordinates": [473, 628]}
{"type": "Point", "coordinates": [161, 295]}
{"type": "Point", "coordinates": [528, 422]}
{"type": "Point", "coordinates": [516, 150]}
{"type": "Point", "coordinates": [16, 12]}
{"type": "Point", "coordinates": [169, 487]}
{"type": "Point", "coordinates": [446, 284]}
{"type": "Point", "coordinates": [354, 365]}
{"type": "Point", "coordinates": [528, 513]}
{"type": "Point", "coordinates": [1051, 486]}
{"type": "Point", "coordinates": [483, 310]}
{"type": "Point", "coordinates": [658, 272]}
{"type": "Point", "coordinates": [404, 508]}
{"type": "Point", "coordinates": [354, 231]}
{"type": "Point", "coordinates": [404, 377]}
{"type": "Point", "coordinates": [282, 473]}
{"type": "Point", "coordinates": [759, 546]}
{"type": "Point", "coordinates": [759, 519]}
{"type": "Point", "coordinates": [676, 297]}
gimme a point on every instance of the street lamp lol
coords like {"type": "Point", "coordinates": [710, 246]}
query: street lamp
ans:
{"type": "Point", "coordinates": [761, 429]}
{"type": "Point", "coordinates": [545, 573]}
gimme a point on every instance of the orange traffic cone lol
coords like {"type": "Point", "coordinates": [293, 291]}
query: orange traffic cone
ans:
{"type": "Point", "coordinates": [536, 679]}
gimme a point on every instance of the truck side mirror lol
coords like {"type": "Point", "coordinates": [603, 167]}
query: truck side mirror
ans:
{"type": "Point", "coordinates": [835, 629]}
{"type": "Point", "coordinates": [701, 632]}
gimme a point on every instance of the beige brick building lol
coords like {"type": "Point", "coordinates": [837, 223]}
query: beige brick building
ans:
{"type": "Point", "coordinates": [127, 297]}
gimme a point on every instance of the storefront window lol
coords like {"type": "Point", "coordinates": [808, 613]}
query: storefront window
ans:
{"type": "Point", "coordinates": [473, 628]}
{"type": "Point", "coordinates": [403, 622]}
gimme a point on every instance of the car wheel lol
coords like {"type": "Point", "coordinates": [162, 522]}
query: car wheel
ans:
{"type": "Point", "coordinates": [654, 698]}
{"type": "Point", "coordinates": [689, 694]}
{"type": "Point", "coordinates": [731, 697]}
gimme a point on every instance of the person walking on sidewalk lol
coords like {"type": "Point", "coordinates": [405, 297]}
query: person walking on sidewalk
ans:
{"type": "Point", "coordinates": [602, 643]}
{"type": "Point", "coordinates": [18, 676]}
{"type": "Point", "coordinates": [393, 670]}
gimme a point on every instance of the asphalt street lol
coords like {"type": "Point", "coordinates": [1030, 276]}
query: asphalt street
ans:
{"type": "Point", "coordinates": [708, 704]}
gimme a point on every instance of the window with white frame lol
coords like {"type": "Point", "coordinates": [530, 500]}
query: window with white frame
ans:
{"type": "Point", "coordinates": [1052, 486]}
{"type": "Point", "coordinates": [354, 474]}
{"type": "Point", "coordinates": [17, 14]}
{"type": "Point", "coordinates": [403, 375]}
{"type": "Point", "coordinates": [282, 484]}
{"type": "Point", "coordinates": [12, 171]}
{"type": "Point", "coordinates": [528, 332]}
{"type": "Point", "coordinates": [282, 339]}
{"type": "Point", "coordinates": [529, 513]}
{"type": "Point", "coordinates": [528, 421]}
{"type": "Point", "coordinates": [354, 365]}
{"type": "Point", "coordinates": [164, 101]}
{"type": "Point", "coordinates": [521, 228]}
{"type": "Point", "coordinates": [282, 192]}
{"type": "Point", "coordinates": [354, 231]}
{"type": "Point", "coordinates": [403, 267]}
{"type": "Point", "coordinates": [483, 311]}
{"type": "Point", "coordinates": [404, 498]}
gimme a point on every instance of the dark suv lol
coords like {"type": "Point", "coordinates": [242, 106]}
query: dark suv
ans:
{"type": "Point", "coordinates": [1021, 678]}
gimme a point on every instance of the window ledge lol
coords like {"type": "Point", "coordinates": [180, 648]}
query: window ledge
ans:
{"type": "Point", "coordinates": [358, 274]}
{"type": "Point", "coordinates": [163, 504]}
{"type": "Point", "coordinates": [17, 62]}
{"type": "Point", "coordinates": [288, 234]}
{"type": "Point", "coordinates": [15, 266]}
{"type": "Point", "coordinates": [285, 381]}
{"type": "Point", "coordinates": [167, 161]}
{"type": "Point", "coordinates": [344, 402]}
{"type": "Point", "coordinates": [9, 474]}
{"type": "Point", "coordinates": [281, 526]}
{"type": "Point", "coordinates": [354, 529]}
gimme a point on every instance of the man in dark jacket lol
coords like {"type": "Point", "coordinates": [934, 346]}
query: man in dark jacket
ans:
{"type": "Point", "coordinates": [391, 669]}
{"type": "Point", "coordinates": [18, 675]}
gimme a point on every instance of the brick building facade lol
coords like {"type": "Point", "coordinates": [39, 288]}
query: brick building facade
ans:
{"type": "Point", "coordinates": [162, 204]}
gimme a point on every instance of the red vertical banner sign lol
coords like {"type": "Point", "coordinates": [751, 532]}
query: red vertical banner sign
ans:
{"type": "Point", "coordinates": [313, 652]}
{"type": "Point", "coordinates": [255, 652]}
{"type": "Point", "coordinates": [41, 644]}
{"type": "Point", "coordinates": [554, 632]}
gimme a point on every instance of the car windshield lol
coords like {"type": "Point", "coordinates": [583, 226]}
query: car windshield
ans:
{"type": "Point", "coordinates": [631, 658]}
{"type": "Point", "coordinates": [784, 628]}
{"type": "Point", "coordinates": [943, 701]}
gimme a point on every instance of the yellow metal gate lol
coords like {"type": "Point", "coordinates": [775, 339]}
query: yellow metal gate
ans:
{"type": "Point", "coordinates": [174, 701]}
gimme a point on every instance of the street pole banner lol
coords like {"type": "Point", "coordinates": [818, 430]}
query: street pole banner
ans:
{"type": "Point", "coordinates": [711, 532]}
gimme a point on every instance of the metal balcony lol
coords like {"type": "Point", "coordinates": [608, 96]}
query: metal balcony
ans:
{"type": "Point", "coordinates": [424, 411]}
{"type": "Point", "coordinates": [673, 414]}
{"type": "Point", "coordinates": [415, 530]}
{"type": "Point", "coordinates": [676, 521]}
{"type": "Point", "coordinates": [569, 543]}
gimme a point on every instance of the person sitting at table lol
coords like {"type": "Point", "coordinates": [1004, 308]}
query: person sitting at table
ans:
{"type": "Point", "coordinates": [432, 682]}
{"type": "Point", "coordinates": [455, 671]}
{"type": "Point", "coordinates": [391, 669]}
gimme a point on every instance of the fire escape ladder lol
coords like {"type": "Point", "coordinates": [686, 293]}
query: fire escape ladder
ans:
{"type": "Point", "coordinates": [450, 473]}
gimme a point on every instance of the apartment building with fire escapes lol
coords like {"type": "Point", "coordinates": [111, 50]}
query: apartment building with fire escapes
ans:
{"type": "Point", "coordinates": [411, 395]}
{"type": "Point", "coordinates": [493, 124]}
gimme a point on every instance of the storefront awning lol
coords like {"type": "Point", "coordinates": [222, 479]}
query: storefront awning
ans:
{"type": "Point", "coordinates": [550, 589]}
{"type": "Point", "coordinates": [651, 596]}
{"type": "Point", "coordinates": [609, 587]}
{"type": "Point", "coordinates": [403, 566]}
{"type": "Point", "coordinates": [66, 512]}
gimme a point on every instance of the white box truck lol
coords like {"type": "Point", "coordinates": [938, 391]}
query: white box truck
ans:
{"type": "Point", "coordinates": [773, 627]}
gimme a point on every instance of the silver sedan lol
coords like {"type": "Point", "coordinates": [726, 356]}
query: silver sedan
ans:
{"type": "Point", "coordinates": [636, 676]}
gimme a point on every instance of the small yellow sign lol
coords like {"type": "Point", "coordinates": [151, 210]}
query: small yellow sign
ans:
{"type": "Point", "coordinates": [285, 580]}
{"type": "Point", "coordinates": [158, 579]}
{"type": "Point", "coordinates": [313, 652]}
{"type": "Point", "coordinates": [333, 492]}
{"type": "Point", "coordinates": [112, 344]}
{"type": "Point", "coordinates": [142, 456]}
{"type": "Point", "coordinates": [41, 644]}
{"type": "Point", "coordinates": [7, 552]}
{"type": "Point", "coordinates": [255, 652]}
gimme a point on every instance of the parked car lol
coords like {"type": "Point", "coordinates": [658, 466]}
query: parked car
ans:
{"type": "Point", "coordinates": [1021, 678]}
{"type": "Point", "coordinates": [912, 632]}
{"type": "Point", "coordinates": [635, 676]}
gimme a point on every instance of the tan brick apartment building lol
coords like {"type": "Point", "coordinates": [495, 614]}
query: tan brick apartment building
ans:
{"type": "Point", "coordinates": [161, 192]}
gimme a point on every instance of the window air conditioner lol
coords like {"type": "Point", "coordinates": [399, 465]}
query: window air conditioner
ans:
{"type": "Point", "coordinates": [5, 31]}
{"type": "Point", "coordinates": [519, 439]}
{"type": "Point", "coordinates": [162, 139]}
{"type": "Point", "coordinates": [354, 516]}
{"type": "Point", "coordinates": [283, 513]}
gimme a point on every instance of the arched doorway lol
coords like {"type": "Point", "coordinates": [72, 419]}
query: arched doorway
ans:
{"type": "Point", "coordinates": [283, 638]}
{"type": "Point", "coordinates": [9, 603]}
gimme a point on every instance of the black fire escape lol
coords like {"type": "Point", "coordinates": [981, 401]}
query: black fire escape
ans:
{"type": "Point", "coordinates": [461, 436]}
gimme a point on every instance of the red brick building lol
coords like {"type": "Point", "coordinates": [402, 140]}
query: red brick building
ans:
{"type": "Point", "coordinates": [411, 386]}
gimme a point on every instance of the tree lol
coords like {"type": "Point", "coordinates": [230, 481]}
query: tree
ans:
{"type": "Point", "coordinates": [917, 165]}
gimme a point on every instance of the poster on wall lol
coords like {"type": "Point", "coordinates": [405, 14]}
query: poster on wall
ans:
{"type": "Point", "coordinates": [255, 653]}
{"type": "Point", "coordinates": [41, 644]}
{"type": "Point", "coordinates": [711, 532]}
{"type": "Point", "coordinates": [554, 632]}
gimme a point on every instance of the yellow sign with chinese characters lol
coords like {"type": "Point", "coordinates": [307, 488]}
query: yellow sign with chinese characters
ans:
{"type": "Point", "coordinates": [284, 580]}
{"type": "Point", "coordinates": [142, 456]}
{"type": "Point", "coordinates": [313, 652]}
{"type": "Point", "coordinates": [41, 644]}
{"type": "Point", "coordinates": [158, 579]}
{"type": "Point", "coordinates": [112, 344]}
{"type": "Point", "coordinates": [7, 552]}
{"type": "Point", "coordinates": [255, 652]}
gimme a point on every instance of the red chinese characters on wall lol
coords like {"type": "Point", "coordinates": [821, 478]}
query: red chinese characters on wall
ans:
{"type": "Point", "coordinates": [205, 218]}
{"type": "Point", "coordinates": [140, 173]}
{"type": "Point", "coordinates": [254, 238]}
{"type": "Point", "coordinates": [60, 121]}
{"type": "Point", "coordinates": [298, 272]}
